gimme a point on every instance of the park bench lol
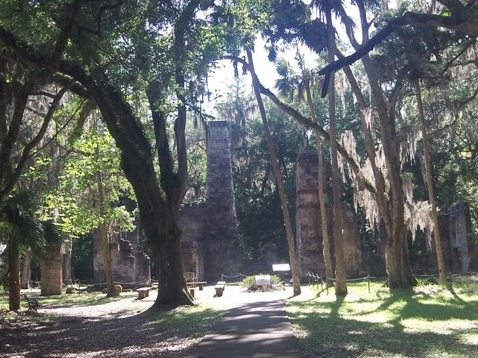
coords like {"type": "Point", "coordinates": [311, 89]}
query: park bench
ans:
{"type": "Point", "coordinates": [33, 304]}
{"type": "Point", "coordinates": [220, 286]}
{"type": "Point", "coordinates": [190, 276]}
{"type": "Point", "coordinates": [143, 292]}
{"type": "Point", "coordinates": [194, 284]}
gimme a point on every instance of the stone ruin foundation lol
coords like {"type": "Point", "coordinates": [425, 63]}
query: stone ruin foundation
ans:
{"type": "Point", "coordinates": [455, 230]}
{"type": "Point", "coordinates": [210, 242]}
{"type": "Point", "coordinates": [459, 252]}
{"type": "Point", "coordinates": [131, 266]}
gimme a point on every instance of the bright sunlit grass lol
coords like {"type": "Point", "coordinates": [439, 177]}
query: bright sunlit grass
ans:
{"type": "Point", "coordinates": [432, 322]}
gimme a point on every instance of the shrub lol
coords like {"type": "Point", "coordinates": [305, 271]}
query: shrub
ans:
{"type": "Point", "coordinates": [249, 282]}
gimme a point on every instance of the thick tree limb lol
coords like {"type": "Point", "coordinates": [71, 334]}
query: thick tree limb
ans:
{"type": "Point", "coordinates": [459, 21]}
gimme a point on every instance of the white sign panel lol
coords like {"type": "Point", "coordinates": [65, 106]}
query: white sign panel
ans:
{"type": "Point", "coordinates": [263, 280]}
{"type": "Point", "coordinates": [281, 267]}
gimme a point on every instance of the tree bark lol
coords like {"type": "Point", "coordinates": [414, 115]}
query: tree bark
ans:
{"type": "Point", "coordinates": [158, 213]}
{"type": "Point", "coordinates": [279, 181]}
{"type": "Point", "coordinates": [14, 278]}
{"type": "Point", "coordinates": [326, 249]}
{"type": "Point", "coordinates": [67, 276]}
{"type": "Point", "coordinates": [390, 201]}
{"type": "Point", "coordinates": [103, 229]}
{"type": "Point", "coordinates": [160, 223]}
{"type": "Point", "coordinates": [26, 270]}
{"type": "Point", "coordinates": [340, 279]}
{"type": "Point", "coordinates": [429, 181]}
{"type": "Point", "coordinates": [158, 201]}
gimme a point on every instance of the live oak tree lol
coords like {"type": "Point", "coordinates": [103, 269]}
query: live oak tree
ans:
{"type": "Point", "coordinates": [387, 192]}
{"type": "Point", "coordinates": [455, 16]}
{"type": "Point", "coordinates": [159, 50]}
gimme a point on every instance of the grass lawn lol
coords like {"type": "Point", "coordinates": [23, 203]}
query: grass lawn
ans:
{"type": "Point", "coordinates": [432, 322]}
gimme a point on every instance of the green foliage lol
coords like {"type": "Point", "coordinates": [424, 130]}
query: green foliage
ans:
{"type": "Point", "coordinates": [249, 282]}
{"type": "Point", "coordinates": [240, 21]}
{"type": "Point", "coordinates": [18, 223]}
{"type": "Point", "coordinates": [82, 258]}
{"type": "Point", "coordinates": [94, 158]}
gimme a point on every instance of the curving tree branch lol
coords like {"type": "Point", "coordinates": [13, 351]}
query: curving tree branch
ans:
{"type": "Point", "coordinates": [463, 19]}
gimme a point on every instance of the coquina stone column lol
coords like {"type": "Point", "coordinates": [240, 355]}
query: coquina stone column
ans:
{"type": "Point", "coordinates": [51, 271]}
{"type": "Point", "coordinates": [220, 249]}
{"type": "Point", "coordinates": [309, 229]}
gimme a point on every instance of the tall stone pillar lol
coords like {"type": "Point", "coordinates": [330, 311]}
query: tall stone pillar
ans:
{"type": "Point", "coordinates": [309, 227]}
{"type": "Point", "coordinates": [220, 249]}
{"type": "Point", "coordinates": [51, 271]}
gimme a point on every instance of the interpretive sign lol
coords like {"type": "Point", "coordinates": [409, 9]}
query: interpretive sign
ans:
{"type": "Point", "coordinates": [281, 267]}
{"type": "Point", "coordinates": [263, 280]}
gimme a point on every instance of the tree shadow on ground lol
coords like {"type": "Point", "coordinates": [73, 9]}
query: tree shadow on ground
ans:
{"type": "Point", "coordinates": [337, 332]}
{"type": "Point", "coordinates": [160, 335]}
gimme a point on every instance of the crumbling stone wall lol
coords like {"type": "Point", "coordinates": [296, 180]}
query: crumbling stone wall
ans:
{"type": "Point", "coordinates": [309, 236]}
{"type": "Point", "coordinates": [191, 221]}
{"type": "Point", "coordinates": [455, 230]}
{"type": "Point", "coordinates": [131, 266]}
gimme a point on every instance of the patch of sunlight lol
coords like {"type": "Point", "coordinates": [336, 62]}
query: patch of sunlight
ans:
{"type": "Point", "coordinates": [352, 349]}
{"type": "Point", "coordinates": [382, 319]}
{"type": "Point", "coordinates": [371, 314]}
{"type": "Point", "coordinates": [469, 338]}
{"type": "Point", "coordinates": [444, 327]}
{"type": "Point", "coordinates": [300, 333]}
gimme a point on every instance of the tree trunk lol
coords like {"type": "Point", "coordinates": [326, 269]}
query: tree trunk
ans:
{"type": "Point", "coordinates": [103, 228]}
{"type": "Point", "coordinates": [158, 220]}
{"type": "Point", "coordinates": [26, 270]}
{"type": "Point", "coordinates": [429, 181]}
{"type": "Point", "coordinates": [390, 201]}
{"type": "Point", "coordinates": [160, 224]}
{"type": "Point", "coordinates": [279, 181]}
{"type": "Point", "coordinates": [107, 267]}
{"type": "Point", "coordinates": [171, 281]}
{"type": "Point", "coordinates": [14, 279]}
{"type": "Point", "coordinates": [340, 279]}
{"type": "Point", "coordinates": [67, 274]}
{"type": "Point", "coordinates": [327, 252]}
